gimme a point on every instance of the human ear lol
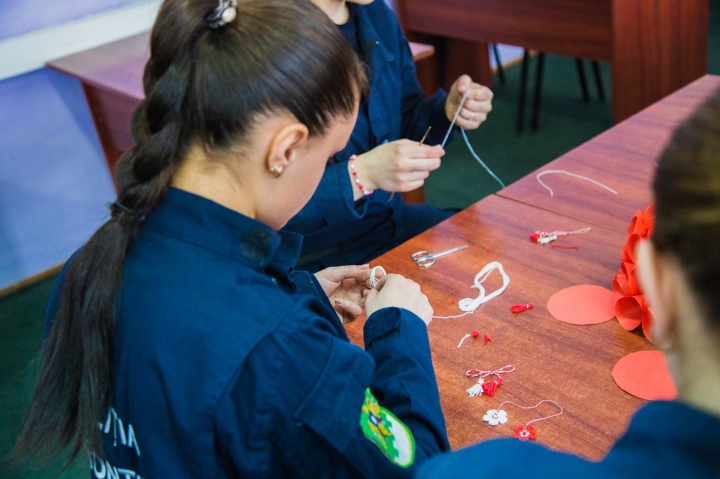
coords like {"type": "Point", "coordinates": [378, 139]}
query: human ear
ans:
{"type": "Point", "coordinates": [659, 282]}
{"type": "Point", "coordinates": [284, 146]}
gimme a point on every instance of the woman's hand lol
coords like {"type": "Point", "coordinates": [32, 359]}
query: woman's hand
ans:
{"type": "Point", "coordinates": [397, 166]}
{"type": "Point", "coordinates": [344, 287]}
{"type": "Point", "coordinates": [477, 104]}
{"type": "Point", "coordinates": [394, 290]}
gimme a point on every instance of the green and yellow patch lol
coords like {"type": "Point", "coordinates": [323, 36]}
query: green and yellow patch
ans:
{"type": "Point", "coordinates": [387, 432]}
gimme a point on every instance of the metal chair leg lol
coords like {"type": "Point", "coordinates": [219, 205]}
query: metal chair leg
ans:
{"type": "Point", "coordinates": [598, 81]}
{"type": "Point", "coordinates": [538, 90]}
{"type": "Point", "coordinates": [523, 91]}
{"type": "Point", "coordinates": [583, 81]}
{"type": "Point", "coordinates": [500, 69]}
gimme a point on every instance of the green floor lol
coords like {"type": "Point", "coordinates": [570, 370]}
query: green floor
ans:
{"type": "Point", "coordinates": [565, 122]}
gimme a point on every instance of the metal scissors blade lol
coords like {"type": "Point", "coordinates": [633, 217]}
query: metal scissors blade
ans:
{"type": "Point", "coordinates": [424, 259]}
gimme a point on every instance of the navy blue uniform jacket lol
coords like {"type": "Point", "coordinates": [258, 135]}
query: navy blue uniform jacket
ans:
{"type": "Point", "coordinates": [230, 364]}
{"type": "Point", "coordinates": [335, 227]}
{"type": "Point", "coordinates": [665, 440]}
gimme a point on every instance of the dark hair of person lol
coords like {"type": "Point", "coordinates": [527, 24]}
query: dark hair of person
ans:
{"type": "Point", "coordinates": [687, 202]}
{"type": "Point", "coordinates": [203, 86]}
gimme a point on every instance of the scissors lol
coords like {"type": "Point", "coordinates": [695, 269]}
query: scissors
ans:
{"type": "Point", "coordinates": [425, 259]}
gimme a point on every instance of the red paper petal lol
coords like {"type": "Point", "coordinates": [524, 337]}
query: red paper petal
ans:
{"type": "Point", "coordinates": [629, 311]}
{"type": "Point", "coordinates": [626, 254]}
{"type": "Point", "coordinates": [584, 304]}
{"type": "Point", "coordinates": [645, 374]}
{"type": "Point", "coordinates": [621, 285]}
{"type": "Point", "coordinates": [633, 223]}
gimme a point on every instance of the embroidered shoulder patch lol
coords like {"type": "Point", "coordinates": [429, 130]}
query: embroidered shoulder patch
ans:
{"type": "Point", "coordinates": [387, 432]}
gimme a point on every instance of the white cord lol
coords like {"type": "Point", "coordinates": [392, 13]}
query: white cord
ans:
{"type": "Point", "coordinates": [467, 142]}
{"type": "Point", "coordinates": [469, 305]}
{"type": "Point", "coordinates": [574, 176]}
{"type": "Point", "coordinates": [482, 163]}
{"type": "Point", "coordinates": [373, 280]}
{"type": "Point", "coordinates": [457, 113]}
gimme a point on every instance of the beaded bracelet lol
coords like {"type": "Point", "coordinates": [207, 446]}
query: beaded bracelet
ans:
{"type": "Point", "coordinates": [353, 170]}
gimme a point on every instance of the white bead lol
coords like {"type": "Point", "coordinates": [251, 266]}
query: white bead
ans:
{"type": "Point", "coordinates": [228, 15]}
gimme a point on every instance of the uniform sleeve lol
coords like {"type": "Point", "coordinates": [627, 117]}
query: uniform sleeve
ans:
{"type": "Point", "coordinates": [300, 406]}
{"type": "Point", "coordinates": [419, 112]}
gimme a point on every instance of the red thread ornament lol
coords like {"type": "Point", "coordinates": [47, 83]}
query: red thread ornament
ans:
{"type": "Point", "coordinates": [519, 308]}
{"type": "Point", "coordinates": [486, 340]}
{"type": "Point", "coordinates": [543, 237]}
{"type": "Point", "coordinates": [490, 387]}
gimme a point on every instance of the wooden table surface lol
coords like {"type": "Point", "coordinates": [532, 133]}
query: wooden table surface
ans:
{"type": "Point", "coordinates": [566, 363]}
{"type": "Point", "coordinates": [622, 158]}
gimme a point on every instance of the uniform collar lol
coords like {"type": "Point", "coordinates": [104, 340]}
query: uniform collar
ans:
{"type": "Point", "coordinates": [197, 220]}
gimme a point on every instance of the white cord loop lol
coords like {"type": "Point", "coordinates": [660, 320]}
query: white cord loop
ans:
{"type": "Point", "coordinates": [469, 305]}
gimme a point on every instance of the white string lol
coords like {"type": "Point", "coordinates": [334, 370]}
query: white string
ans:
{"type": "Point", "coordinates": [574, 176]}
{"type": "Point", "coordinates": [457, 113]}
{"type": "Point", "coordinates": [463, 339]}
{"type": "Point", "coordinates": [565, 233]}
{"type": "Point", "coordinates": [482, 163]}
{"type": "Point", "coordinates": [535, 407]}
{"type": "Point", "coordinates": [373, 280]}
{"type": "Point", "coordinates": [469, 305]}
{"type": "Point", "coordinates": [467, 142]}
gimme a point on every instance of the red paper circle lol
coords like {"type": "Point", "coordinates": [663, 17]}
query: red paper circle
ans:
{"type": "Point", "coordinates": [644, 374]}
{"type": "Point", "coordinates": [584, 304]}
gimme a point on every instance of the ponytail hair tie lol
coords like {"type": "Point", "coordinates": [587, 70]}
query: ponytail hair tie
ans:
{"type": "Point", "coordinates": [222, 15]}
{"type": "Point", "coordinates": [118, 208]}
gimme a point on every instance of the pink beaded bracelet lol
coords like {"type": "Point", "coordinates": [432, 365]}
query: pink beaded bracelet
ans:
{"type": "Point", "coordinates": [357, 178]}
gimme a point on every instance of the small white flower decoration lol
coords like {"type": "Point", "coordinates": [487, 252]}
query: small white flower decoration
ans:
{"type": "Point", "coordinates": [495, 417]}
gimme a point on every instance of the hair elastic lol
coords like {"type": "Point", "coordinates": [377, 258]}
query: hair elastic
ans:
{"type": "Point", "coordinates": [139, 217]}
{"type": "Point", "coordinates": [223, 14]}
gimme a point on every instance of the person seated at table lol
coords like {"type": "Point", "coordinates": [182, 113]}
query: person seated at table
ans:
{"type": "Point", "coordinates": [679, 269]}
{"type": "Point", "coordinates": [357, 213]}
{"type": "Point", "coordinates": [183, 344]}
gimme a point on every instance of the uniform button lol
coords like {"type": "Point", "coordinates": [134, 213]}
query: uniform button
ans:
{"type": "Point", "coordinates": [299, 424]}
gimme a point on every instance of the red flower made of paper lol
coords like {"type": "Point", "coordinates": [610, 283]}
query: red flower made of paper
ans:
{"type": "Point", "coordinates": [490, 387]}
{"type": "Point", "coordinates": [525, 433]}
{"type": "Point", "coordinates": [631, 308]}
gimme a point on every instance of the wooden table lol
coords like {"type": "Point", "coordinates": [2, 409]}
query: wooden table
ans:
{"type": "Point", "coordinates": [654, 46]}
{"type": "Point", "coordinates": [623, 158]}
{"type": "Point", "coordinates": [111, 77]}
{"type": "Point", "coordinates": [566, 363]}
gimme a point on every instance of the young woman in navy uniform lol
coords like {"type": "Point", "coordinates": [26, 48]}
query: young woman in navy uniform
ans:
{"type": "Point", "coordinates": [342, 224]}
{"type": "Point", "coordinates": [679, 271]}
{"type": "Point", "coordinates": [183, 344]}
